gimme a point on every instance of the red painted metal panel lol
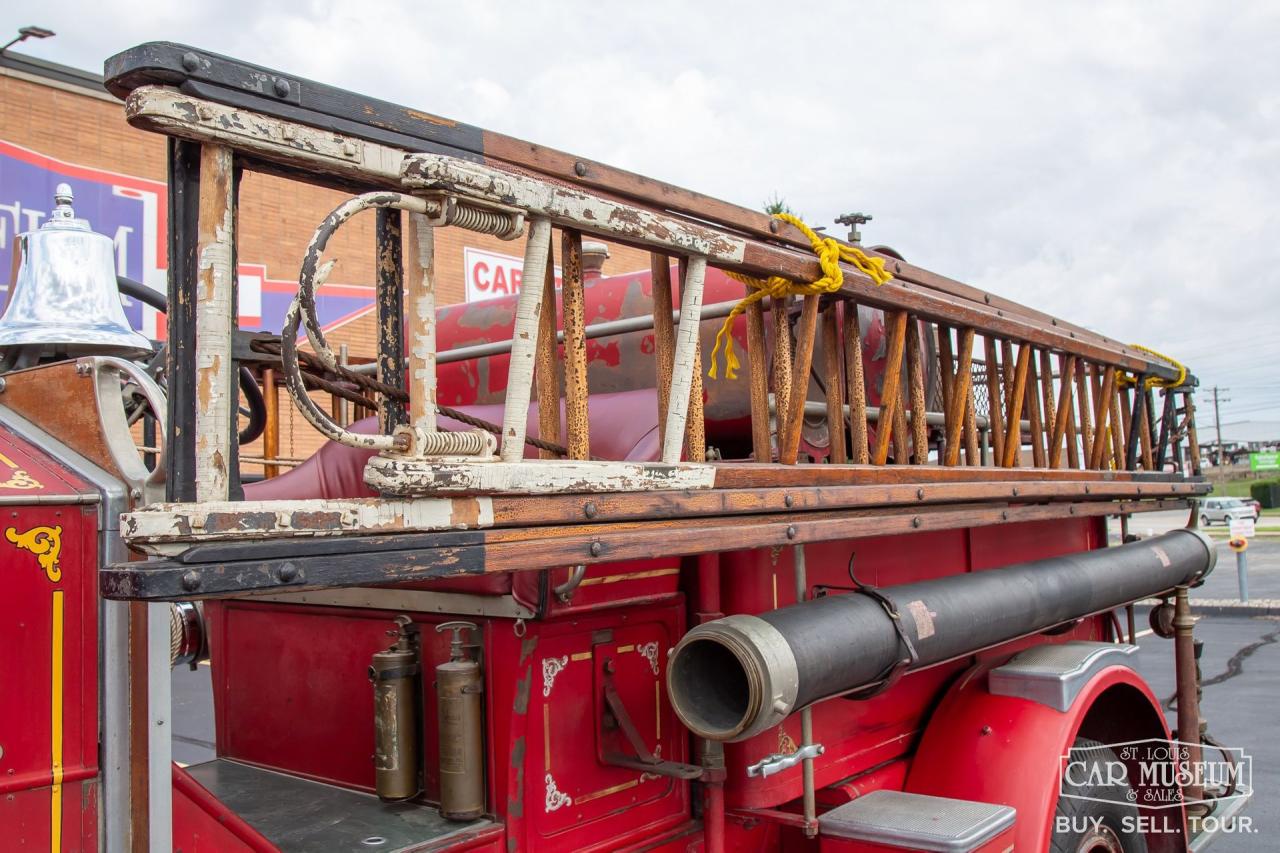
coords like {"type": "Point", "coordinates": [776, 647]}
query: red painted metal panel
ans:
{"type": "Point", "coordinates": [292, 694]}
{"type": "Point", "coordinates": [203, 824]}
{"type": "Point", "coordinates": [597, 808]}
{"type": "Point", "coordinates": [48, 630]}
{"type": "Point", "coordinates": [27, 470]}
{"type": "Point", "coordinates": [25, 819]}
{"type": "Point", "coordinates": [291, 687]}
{"type": "Point", "coordinates": [1005, 544]}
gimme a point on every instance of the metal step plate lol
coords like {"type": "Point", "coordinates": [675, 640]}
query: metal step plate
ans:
{"type": "Point", "coordinates": [917, 822]}
{"type": "Point", "coordinates": [1054, 674]}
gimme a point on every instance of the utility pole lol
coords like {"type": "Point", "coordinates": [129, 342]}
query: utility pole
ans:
{"type": "Point", "coordinates": [1217, 419]}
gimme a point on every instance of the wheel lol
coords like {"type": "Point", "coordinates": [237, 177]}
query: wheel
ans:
{"type": "Point", "coordinates": [1107, 821]}
{"type": "Point", "coordinates": [1204, 521]}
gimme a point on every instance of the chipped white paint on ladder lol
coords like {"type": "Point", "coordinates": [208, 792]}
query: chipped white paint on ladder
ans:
{"type": "Point", "coordinates": [180, 115]}
{"type": "Point", "coordinates": [571, 206]}
{"type": "Point", "coordinates": [213, 312]}
{"type": "Point", "coordinates": [524, 343]}
{"type": "Point", "coordinates": [421, 312]}
{"type": "Point", "coordinates": [164, 528]}
{"type": "Point", "coordinates": [685, 359]}
{"type": "Point", "coordinates": [394, 475]}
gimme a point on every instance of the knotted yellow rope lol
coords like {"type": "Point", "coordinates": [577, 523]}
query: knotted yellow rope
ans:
{"type": "Point", "coordinates": [1156, 381]}
{"type": "Point", "coordinates": [830, 253]}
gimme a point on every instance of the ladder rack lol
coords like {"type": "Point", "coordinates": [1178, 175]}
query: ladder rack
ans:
{"type": "Point", "coordinates": [1082, 406]}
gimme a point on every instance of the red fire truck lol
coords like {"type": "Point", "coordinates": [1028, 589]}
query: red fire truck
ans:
{"type": "Point", "coordinates": [560, 589]}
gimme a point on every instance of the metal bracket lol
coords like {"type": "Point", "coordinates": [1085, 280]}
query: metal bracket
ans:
{"type": "Point", "coordinates": [564, 592]}
{"type": "Point", "coordinates": [644, 760]}
{"type": "Point", "coordinates": [105, 371]}
{"type": "Point", "coordinates": [779, 761]}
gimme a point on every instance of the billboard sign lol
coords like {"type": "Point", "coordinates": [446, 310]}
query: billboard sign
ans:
{"type": "Point", "coordinates": [491, 275]}
{"type": "Point", "coordinates": [1268, 460]}
{"type": "Point", "coordinates": [133, 212]}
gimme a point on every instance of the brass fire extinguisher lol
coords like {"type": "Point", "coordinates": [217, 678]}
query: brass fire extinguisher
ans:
{"type": "Point", "coordinates": [459, 685]}
{"type": "Point", "coordinates": [394, 673]}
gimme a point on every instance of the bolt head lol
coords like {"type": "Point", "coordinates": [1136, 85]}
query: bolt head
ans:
{"type": "Point", "coordinates": [788, 500]}
{"type": "Point", "coordinates": [281, 88]}
{"type": "Point", "coordinates": [191, 581]}
{"type": "Point", "coordinates": [287, 573]}
{"type": "Point", "coordinates": [590, 510]}
{"type": "Point", "coordinates": [190, 62]}
{"type": "Point", "coordinates": [791, 531]}
{"type": "Point", "coordinates": [580, 169]}
{"type": "Point", "coordinates": [596, 549]}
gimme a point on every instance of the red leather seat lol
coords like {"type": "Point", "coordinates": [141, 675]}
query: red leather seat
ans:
{"type": "Point", "coordinates": [622, 426]}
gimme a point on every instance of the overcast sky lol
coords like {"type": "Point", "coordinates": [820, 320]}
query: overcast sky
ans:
{"type": "Point", "coordinates": [1115, 163]}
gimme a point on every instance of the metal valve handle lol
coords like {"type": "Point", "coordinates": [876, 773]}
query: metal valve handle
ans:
{"type": "Point", "coordinates": [779, 761]}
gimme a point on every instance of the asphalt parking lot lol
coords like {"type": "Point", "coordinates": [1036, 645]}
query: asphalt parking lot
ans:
{"type": "Point", "coordinates": [1240, 671]}
{"type": "Point", "coordinates": [1240, 668]}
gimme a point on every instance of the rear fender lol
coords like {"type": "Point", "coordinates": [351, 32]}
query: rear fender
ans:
{"type": "Point", "coordinates": [1008, 750]}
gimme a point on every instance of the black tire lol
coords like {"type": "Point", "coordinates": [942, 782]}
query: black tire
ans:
{"type": "Point", "coordinates": [1204, 521]}
{"type": "Point", "coordinates": [1110, 810]}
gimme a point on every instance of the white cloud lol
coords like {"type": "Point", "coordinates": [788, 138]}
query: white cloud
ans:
{"type": "Point", "coordinates": [1112, 162]}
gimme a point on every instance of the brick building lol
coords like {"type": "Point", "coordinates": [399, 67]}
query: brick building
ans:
{"type": "Point", "coordinates": [59, 124]}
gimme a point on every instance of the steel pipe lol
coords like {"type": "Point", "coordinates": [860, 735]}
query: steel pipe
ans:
{"type": "Point", "coordinates": [735, 677]}
{"type": "Point", "coordinates": [606, 329]}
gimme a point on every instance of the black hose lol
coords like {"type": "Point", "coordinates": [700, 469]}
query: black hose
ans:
{"type": "Point", "coordinates": [248, 385]}
{"type": "Point", "coordinates": [733, 677]}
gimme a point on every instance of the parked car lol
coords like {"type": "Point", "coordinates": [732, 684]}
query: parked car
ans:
{"type": "Point", "coordinates": [1225, 510]}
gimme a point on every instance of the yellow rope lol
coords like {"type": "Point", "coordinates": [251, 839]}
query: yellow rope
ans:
{"type": "Point", "coordinates": [830, 253]}
{"type": "Point", "coordinates": [1156, 381]}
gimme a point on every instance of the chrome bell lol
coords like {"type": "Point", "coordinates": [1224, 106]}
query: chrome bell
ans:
{"type": "Point", "coordinates": [65, 298]}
